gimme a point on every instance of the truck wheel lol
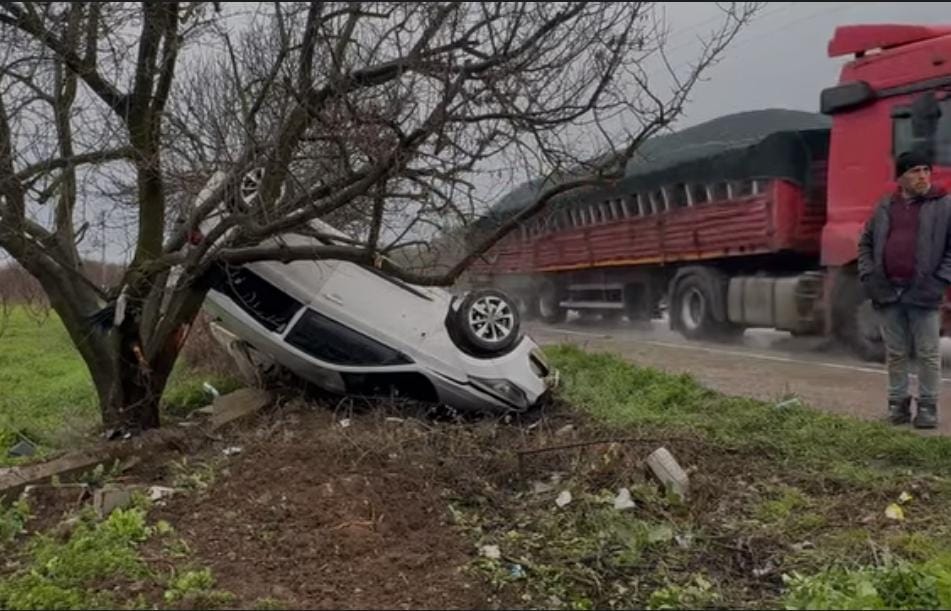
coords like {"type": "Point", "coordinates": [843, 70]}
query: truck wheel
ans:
{"type": "Point", "coordinates": [854, 321]}
{"type": "Point", "coordinates": [693, 307]}
{"type": "Point", "coordinates": [548, 301]}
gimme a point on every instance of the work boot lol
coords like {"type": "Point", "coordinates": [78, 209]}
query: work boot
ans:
{"type": "Point", "coordinates": [927, 416]}
{"type": "Point", "coordinates": [899, 412]}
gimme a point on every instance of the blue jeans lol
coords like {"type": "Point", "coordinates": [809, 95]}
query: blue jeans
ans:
{"type": "Point", "coordinates": [905, 327]}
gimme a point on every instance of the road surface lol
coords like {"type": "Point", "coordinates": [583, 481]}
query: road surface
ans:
{"type": "Point", "coordinates": [763, 364]}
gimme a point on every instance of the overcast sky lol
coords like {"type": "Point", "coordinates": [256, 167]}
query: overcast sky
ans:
{"type": "Point", "coordinates": [781, 60]}
{"type": "Point", "coordinates": [778, 61]}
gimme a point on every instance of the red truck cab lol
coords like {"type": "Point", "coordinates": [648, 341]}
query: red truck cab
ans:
{"type": "Point", "coordinates": [898, 75]}
{"type": "Point", "coordinates": [894, 95]}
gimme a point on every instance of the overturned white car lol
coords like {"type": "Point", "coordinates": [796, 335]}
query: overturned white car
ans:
{"type": "Point", "coordinates": [349, 328]}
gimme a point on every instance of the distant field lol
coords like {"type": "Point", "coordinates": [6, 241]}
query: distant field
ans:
{"type": "Point", "coordinates": [46, 393]}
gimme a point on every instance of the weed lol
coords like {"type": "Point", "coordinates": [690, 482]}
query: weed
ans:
{"type": "Point", "coordinates": [12, 521]}
{"type": "Point", "coordinates": [62, 575]}
{"type": "Point", "coordinates": [698, 593]}
{"type": "Point", "coordinates": [192, 475]}
{"type": "Point", "coordinates": [899, 585]}
{"type": "Point", "coordinates": [195, 588]}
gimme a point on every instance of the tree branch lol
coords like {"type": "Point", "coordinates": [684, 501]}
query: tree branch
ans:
{"type": "Point", "coordinates": [31, 25]}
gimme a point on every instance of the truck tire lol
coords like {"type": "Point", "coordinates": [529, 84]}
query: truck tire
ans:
{"type": "Point", "coordinates": [854, 321]}
{"type": "Point", "coordinates": [549, 308]}
{"type": "Point", "coordinates": [692, 305]}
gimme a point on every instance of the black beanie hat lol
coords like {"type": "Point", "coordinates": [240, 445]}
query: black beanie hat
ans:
{"type": "Point", "coordinates": [909, 160]}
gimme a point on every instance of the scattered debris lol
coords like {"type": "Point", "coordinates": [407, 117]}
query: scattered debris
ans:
{"type": "Point", "coordinates": [541, 488]}
{"type": "Point", "coordinates": [232, 451]}
{"type": "Point", "coordinates": [799, 547]}
{"type": "Point", "coordinates": [13, 481]}
{"type": "Point", "coordinates": [492, 552]}
{"type": "Point", "coordinates": [211, 390]}
{"type": "Point", "coordinates": [666, 469]}
{"type": "Point", "coordinates": [565, 430]}
{"type": "Point", "coordinates": [904, 498]}
{"type": "Point", "coordinates": [22, 450]}
{"type": "Point", "coordinates": [345, 423]}
{"type": "Point", "coordinates": [237, 405]}
{"type": "Point", "coordinates": [564, 498]}
{"type": "Point", "coordinates": [157, 493]}
{"type": "Point", "coordinates": [765, 570]}
{"type": "Point", "coordinates": [623, 500]}
{"type": "Point", "coordinates": [895, 512]}
{"type": "Point", "coordinates": [684, 541]}
{"type": "Point", "coordinates": [794, 402]}
{"type": "Point", "coordinates": [107, 499]}
{"type": "Point", "coordinates": [516, 571]}
{"type": "Point", "coordinates": [394, 420]}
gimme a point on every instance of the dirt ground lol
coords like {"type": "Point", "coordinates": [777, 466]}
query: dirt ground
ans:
{"type": "Point", "coordinates": [316, 525]}
{"type": "Point", "coordinates": [317, 506]}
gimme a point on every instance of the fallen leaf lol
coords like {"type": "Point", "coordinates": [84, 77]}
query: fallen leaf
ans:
{"type": "Point", "coordinates": [904, 498]}
{"type": "Point", "coordinates": [894, 512]}
{"type": "Point", "coordinates": [491, 551]}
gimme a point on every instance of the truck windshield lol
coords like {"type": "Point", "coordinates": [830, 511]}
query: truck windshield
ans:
{"type": "Point", "coordinates": [904, 138]}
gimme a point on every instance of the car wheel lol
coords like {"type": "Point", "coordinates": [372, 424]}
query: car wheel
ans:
{"type": "Point", "coordinates": [251, 185]}
{"type": "Point", "coordinates": [489, 320]}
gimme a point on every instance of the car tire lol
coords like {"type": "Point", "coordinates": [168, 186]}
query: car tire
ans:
{"type": "Point", "coordinates": [488, 321]}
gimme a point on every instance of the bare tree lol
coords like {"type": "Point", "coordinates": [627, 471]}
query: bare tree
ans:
{"type": "Point", "coordinates": [383, 118]}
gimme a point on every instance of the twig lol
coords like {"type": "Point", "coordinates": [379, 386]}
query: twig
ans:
{"type": "Point", "coordinates": [580, 444]}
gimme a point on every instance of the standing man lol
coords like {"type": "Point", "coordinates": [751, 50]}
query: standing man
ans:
{"type": "Point", "coordinates": [905, 266]}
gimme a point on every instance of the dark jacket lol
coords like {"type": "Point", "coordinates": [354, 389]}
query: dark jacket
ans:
{"type": "Point", "coordinates": [932, 262]}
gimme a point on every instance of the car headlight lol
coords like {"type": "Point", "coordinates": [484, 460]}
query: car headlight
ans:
{"type": "Point", "coordinates": [502, 389]}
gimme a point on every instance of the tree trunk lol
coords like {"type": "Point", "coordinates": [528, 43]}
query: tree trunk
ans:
{"type": "Point", "coordinates": [130, 401]}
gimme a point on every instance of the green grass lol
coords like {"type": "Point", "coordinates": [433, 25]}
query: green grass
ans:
{"type": "Point", "coordinates": [820, 478]}
{"type": "Point", "coordinates": [94, 566]}
{"type": "Point", "coordinates": [46, 392]}
{"type": "Point", "coordinates": [617, 393]}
